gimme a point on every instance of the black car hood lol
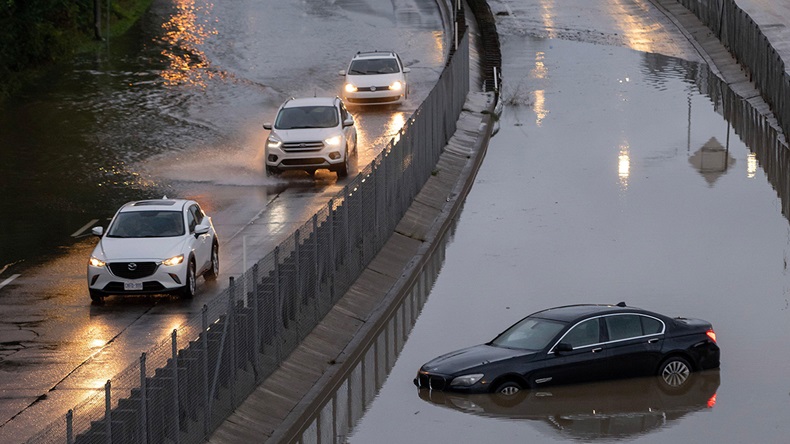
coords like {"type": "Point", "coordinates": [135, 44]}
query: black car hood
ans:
{"type": "Point", "coordinates": [467, 358]}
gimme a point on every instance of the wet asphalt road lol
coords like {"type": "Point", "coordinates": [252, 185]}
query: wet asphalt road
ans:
{"type": "Point", "coordinates": [614, 177]}
{"type": "Point", "coordinates": [173, 108]}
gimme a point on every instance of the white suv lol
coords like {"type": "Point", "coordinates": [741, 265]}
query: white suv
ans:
{"type": "Point", "coordinates": [154, 246]}
{"type": "Point", "coordinates": [375, 78]}
{"type": "Point", "coordinates": [310, 134]}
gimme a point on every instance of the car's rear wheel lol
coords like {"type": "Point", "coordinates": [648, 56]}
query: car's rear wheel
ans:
{"type": "Point", "coordinates": [188, 292]}
{"type": "Point", "coordinates": [674, 372]}
{"type": "Point", "coordinates": [96, 296]}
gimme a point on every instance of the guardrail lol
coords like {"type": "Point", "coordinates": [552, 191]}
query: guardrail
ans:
{"type": "Point", "coordinates": [212, 362]}
{"type": "Point", "coordinates": [749, 45]}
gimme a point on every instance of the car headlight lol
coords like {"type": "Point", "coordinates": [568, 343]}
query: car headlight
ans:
{"type": "Point", "coordinates": [333, 141]}
{"type": "Point", "coordinates": [96, 262]}
{"type": "Point", "coordinates": [351, 88]}
{"type": "Point", "coordinates": [467, 380]}
{"type": "Point", "coordinates": [396, 86]}
{"type": "Point", "coordinates": [273, 142]}
{"type": "Point", "coordinates": [175, 260]}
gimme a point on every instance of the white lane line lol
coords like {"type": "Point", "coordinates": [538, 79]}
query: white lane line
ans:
{"type": "Point", "coordinates": [8, 281]}
{"type": "Point", "coordinates": [84, 227]}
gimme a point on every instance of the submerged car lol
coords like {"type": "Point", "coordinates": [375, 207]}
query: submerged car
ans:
{"type": "Point", "coordinates": [309, 134]}
{"type": "Point", "coordinates": [154, 246]}
{"type": "Point", "coordinates": [375, 78]}
{"type": "Point", "coordinates": [574, 344]}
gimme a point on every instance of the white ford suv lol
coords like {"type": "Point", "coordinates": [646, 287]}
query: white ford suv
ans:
{"type": "Point", "coordinates": [310, 134]}
{"type": "Point", "coordinates": [375, 78]}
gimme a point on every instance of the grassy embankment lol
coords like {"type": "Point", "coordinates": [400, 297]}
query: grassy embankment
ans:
{"type": "Point", "coordinates": [37, 33]}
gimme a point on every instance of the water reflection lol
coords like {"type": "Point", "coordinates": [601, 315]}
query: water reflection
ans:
{"type": "Point", "coordinates": [615, 409]}
{"type": "Point", "coordinates": [712, 160]}
{"type": "Point", "coordinates": [185, 31]}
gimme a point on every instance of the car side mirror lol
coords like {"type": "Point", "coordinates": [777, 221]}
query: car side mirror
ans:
{"type": "Point", "coordinates": [201, 229]}
{"type": "Point", "coordinates": [97, 231]}
{"type": "Point", "coordinates": [563, 347]}
{"type": "Point", "coordinates": [267, 126]}
{"type": "Point", "coordinates": [348, 122]}
{"type": "Point", "coordinates": [406, 70]}
{"type": "Point", "coordinates": [342, 72]}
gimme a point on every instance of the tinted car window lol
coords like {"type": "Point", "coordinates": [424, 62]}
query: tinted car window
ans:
{"type": "Point", "coordinates": [585, 333]}
{"type": "Point", "coordinates": [623, 327]}
{"type": "Point", "coordinates": [651, 326]}
{"type": "Point", "coordinates": [374, 66]}
{"type": "Point", "coordinates": [529, 334]}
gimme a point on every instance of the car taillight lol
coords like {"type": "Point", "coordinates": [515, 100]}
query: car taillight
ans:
{"type": "Point", "coordinates": [712, 401]}
{"type": "Point", "coordinates": [712, 335]}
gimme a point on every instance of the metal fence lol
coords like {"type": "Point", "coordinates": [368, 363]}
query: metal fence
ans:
{"type": "Point", "coordinates": [182, 389]}
{"type": "Point", "coordinates": [747, 42]}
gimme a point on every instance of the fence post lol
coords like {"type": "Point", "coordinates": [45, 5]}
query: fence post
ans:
{"type": "Point", "coordinates": [316, 267]}
{"type": "Point", "coordinates": [107, 413]}
{"type": "Point", "coordinates": [206, 389]}
{"type": "Point", "coordinates": [70, 427]}
{"type": "Point", "coordinates": [232, 338]}
{"type": "Point", "coordinates": [143, 401]}
{"type": "Point", "coordinates": [298, 272]}
{"type": "Point", "coordinates": [176, 403]}
{"type": "Point", "coordinates": [256, 348]}
{"type": "Point", "coordinates": [278, 304]}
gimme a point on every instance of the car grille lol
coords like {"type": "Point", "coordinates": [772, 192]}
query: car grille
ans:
{"type": "Point", "coordinates": [432, 382]}
{"type": "Point", "coordinates": [137, 271]}
{"type": "Point", "coordinates": [148, 287]}
{"type": "Point", "coordinates": [303, 162]}
{"type": "Point", "coordinates": [300, 147]}
{"type": "Point", "coordinates": [373, 99]}
{"type": "Point", "coordinates": [373, 88]}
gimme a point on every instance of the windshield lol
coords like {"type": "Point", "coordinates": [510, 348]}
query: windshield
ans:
{"type": "Point", "coordinates": [529, 334]}
{"type": "Point", "coordinates": [373, 66]}
{"type": "Point", "coordinates": [147, 224]}
{"type": "Point", "coordinates": [307, 117]}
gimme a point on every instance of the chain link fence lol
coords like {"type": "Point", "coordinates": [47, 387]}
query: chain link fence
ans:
{"type": "Point", "coordinates": [183, 388]}
{"type": "Point", "coordinates": [750, 46]}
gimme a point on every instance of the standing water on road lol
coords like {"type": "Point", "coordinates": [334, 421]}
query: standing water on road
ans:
{"type": "Point", "coordinates": [614, 177]}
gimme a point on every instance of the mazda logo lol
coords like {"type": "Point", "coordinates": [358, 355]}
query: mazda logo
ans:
{"type": "Point", "coordinates": [132, 266]}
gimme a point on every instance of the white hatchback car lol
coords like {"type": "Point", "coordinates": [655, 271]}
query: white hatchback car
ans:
{"type": "Point", "coordinates": [310, 134]}
{"type": "Point", "coordinates": [375, 78]}
{"type": "Point", "coordinates": [154, 246]}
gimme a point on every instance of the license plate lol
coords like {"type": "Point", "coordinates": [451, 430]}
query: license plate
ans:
{"type": "Point", "coordinates": [132, 286]}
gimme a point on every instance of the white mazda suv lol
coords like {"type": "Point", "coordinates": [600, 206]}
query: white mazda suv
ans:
{"type": "Point", "coordinates": [154, 246]}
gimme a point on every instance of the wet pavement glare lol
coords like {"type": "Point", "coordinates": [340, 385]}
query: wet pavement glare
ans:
{"type": "Point", "coordinates": [625, 183]}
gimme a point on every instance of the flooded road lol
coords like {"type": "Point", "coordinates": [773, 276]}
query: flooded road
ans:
{"type": "Point", "coordinates": [174, 108]}
{"type": "Point", "coordinates": [615, 176]}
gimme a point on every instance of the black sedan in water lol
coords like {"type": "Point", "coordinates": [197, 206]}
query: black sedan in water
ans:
{"type": "Point", "coordinates": [574, 344]}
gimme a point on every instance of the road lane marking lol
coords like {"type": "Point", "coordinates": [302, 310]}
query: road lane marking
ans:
{"type": "Point", "coordinates": [84, 227]}
{"type": "Point", "coordinates": [8, 281]}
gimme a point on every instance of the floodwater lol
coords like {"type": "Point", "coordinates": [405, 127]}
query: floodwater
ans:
{"type": "Point", "coordinates": [614, 177]}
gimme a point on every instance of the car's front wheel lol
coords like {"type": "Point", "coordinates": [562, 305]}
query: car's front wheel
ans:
{"type": "Point", "coordinates": [509, 394]}
{"type": "Point", "coordinates": [272, 171]}
{"type": "Point", "coordinates": [344, 169]}
{"type": "Point", "coordinates": [213, 271]}
{"type": "Point", "coordinates": [96, 296]}
{"type": "Point", "coordinates": [188, 292]}
{"type": "Point", "coordinates": [674, 372]}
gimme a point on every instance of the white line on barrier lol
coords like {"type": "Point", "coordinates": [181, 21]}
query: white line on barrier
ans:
{"type": "Point", "coordinates": [8, 281]}
{"type": "Point", "coordinates": [84, 227]}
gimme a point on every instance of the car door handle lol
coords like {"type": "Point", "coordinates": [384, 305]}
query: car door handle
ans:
{"type": "Point", "coordinates": [652, 341]}
{"type": "Point", "coordinates": [596, 350]}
